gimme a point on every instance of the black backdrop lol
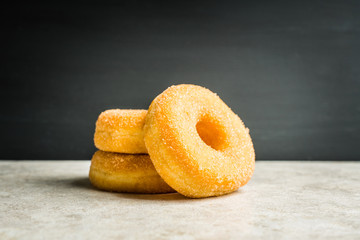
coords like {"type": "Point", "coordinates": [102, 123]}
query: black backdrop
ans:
{"type": "Point", "coordinates": [289, 69]}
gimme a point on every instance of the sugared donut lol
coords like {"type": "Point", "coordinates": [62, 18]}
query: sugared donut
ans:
{"type": "Point", "coordinates": [196, 143]}
{"type": "Point", "coordinates": [133, 173]}
{"type": "Point", "coordinates": [120, 131]}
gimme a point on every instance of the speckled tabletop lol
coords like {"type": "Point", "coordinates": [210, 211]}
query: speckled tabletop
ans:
{"type": "Point", "coordinates": [283, 200]}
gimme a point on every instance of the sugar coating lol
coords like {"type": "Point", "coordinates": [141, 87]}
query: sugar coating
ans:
{"type": "Point", "coordinates": [197, 144]}
{"type": "Point", "coordinates": [119, 162]}
{"type": "Point", "coordinates": [126, 173]}
{"type": "Point", "coordinates": [119, 130]}
{"type": "Point", "coordinates": [122, 118]}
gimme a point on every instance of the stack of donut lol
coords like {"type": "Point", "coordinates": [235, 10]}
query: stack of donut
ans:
{"type": "Point", "coordinates": [188, 141]}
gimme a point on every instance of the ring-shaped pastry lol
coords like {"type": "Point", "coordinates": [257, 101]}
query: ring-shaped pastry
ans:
{"type": "Point", "coordinates": [132, 173]}
{"type": "Point", "coordinates": [119, 130]}
{"type": "Point", "coordinates": [197, 144]}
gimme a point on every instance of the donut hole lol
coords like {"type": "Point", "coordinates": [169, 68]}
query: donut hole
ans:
{"type": "Point", "coordinates": [211, 133]}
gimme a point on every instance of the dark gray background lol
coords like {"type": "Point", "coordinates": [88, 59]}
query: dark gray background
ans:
{"type": "Point", "coordinates": [289, 69]}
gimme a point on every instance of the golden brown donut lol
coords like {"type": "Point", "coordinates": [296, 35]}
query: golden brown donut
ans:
{"type": "Point", "coordinates": [133, 173]}
{"type": "Point", "coordinates": [196, 143]}
{"type": "Point", "coordinates": [120, 131]}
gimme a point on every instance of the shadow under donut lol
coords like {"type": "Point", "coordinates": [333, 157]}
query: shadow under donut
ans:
{"type": "Point", "coordinates": [85, 184]}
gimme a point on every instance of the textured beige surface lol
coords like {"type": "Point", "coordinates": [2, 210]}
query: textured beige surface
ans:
{"type": "Point", "coordinates": [283, 200]}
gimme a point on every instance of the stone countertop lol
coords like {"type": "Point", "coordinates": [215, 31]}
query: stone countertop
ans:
{"type": "Point", "coordinates": [283, 200]}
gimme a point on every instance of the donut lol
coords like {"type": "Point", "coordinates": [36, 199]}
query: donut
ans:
{"type": "Point", "coordinates": [197, 144]}
{"type": "Point", "coordinates": [131, 173]}
{"type": "Point", "coordinates": [120, 131]}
